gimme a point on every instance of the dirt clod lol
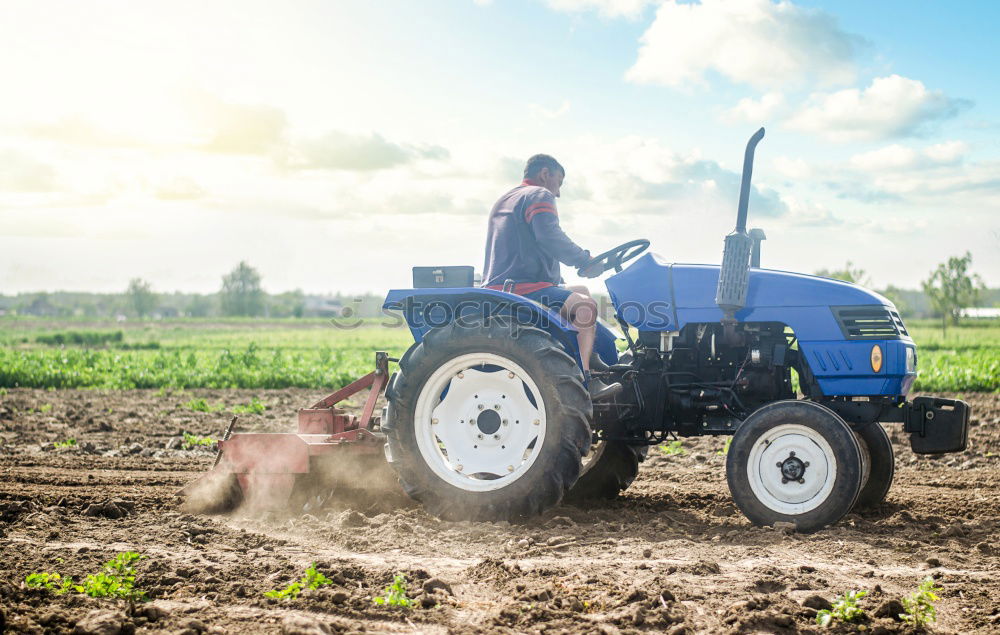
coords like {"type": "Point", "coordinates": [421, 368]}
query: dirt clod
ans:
{"type": "Point", "coordinates": [303, 625]}
{"type": "Point", "coordinates": [817, 602]}
{"type": "Point", "coordinates": [103, 622]}
{"type": "Point", "coordinates": [437, 584]}
{"type": "Point", "coordinates": [889, 608]}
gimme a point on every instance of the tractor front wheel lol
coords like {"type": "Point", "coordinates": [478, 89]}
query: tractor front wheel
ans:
{"type": "Point", "coordinates": [489, 421]}
{"type": "Point", "coordinates": [797, 462]}
{"type": "Point", "coordinates": [883, 465]}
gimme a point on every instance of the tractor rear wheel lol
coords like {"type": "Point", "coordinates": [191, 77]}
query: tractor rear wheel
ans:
{"type": "Point", "coordinates": [797, 462]}
{"type": "Point", "coordinates": [608, 469]}
{"type": "Point", "coordinates": [883, 465]}
{"type": "Point", "coordinates": [489, 420]}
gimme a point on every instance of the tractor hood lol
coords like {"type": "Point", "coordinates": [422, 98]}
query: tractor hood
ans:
{"type": "Point", "coordinates": [652, 294]}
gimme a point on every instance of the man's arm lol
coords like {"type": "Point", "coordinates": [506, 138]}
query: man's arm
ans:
{"type": "Point", "coordinates": [554, 241]}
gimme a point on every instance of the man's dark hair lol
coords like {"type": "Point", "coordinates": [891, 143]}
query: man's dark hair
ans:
{"type": "Point", "coordinates": [539, 161]}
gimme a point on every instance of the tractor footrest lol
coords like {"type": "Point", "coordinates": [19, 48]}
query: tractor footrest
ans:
{"type": "Point", "coordinates": [936, 425]}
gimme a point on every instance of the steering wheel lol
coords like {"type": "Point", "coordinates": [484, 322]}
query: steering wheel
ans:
{"type": "Point", "coordinates": [613, 258]}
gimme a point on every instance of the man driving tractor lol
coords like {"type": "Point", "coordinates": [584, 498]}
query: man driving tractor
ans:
{"type": "Point", "coordinates": [525, 244]}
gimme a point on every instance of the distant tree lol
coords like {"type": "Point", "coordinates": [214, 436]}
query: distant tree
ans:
{"type": "Point", "coordinates": [241, 292]}
{"type": "Point", "coordinates": [895, 295]}
{"type": "Point", "coordinates": [38, 304]}
{"type": "Point", "coordinates": [849, 273]}
{"type": "Point", "coordinates": [140, 296]}
{"type": "Point", "coordinates": [199, 306]}
{"type": "Point", "coordinates": [288, 304]}
{"type": "Point", "coordinates": [951, 288]}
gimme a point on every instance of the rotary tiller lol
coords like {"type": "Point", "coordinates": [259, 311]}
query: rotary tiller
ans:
{"type": "Point", "coordinates": [330, 449]}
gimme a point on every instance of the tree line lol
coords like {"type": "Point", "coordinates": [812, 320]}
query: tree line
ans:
{"type": "Point", "coordinates": [240, 295]}
{"type": "Point", "coordinates": [950, 287]}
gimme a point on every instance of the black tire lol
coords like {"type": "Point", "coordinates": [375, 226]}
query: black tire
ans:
{"type": "Point", "coordinates": [806, 420]}
{"type": "Point", "coordinates": [883, 466]}
{"type": "Point", "coordinates": [567, 411]}
{"type": "Point", "coordinates": [609, 472]}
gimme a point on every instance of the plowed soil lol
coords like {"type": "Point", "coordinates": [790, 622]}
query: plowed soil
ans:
{"type": "Point", "coordinates": [672, 554]}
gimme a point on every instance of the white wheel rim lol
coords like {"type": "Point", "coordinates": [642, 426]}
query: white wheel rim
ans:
{"type": "Point", "coordinates": [794, 447]}
{"type": "Point", "coordinates": [485, 433]}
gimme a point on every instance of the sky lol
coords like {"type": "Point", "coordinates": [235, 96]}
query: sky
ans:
{"type": "Point", "coordinates": [334, 144]}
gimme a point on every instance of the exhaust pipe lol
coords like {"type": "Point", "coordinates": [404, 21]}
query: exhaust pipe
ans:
{"type": "Point", "coordinates": [731, 294]}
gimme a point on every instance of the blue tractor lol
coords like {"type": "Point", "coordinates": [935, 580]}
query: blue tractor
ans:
{"type": "Point", "coordinates": [488, 416]}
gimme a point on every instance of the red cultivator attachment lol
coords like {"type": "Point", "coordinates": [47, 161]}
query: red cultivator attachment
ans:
{"type": "Point", "coordinates": [273, 471]}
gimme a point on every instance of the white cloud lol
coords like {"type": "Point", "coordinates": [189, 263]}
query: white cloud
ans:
{"type": "Point", "coordinates": [549, 113]}
{"type": "Point", "coordinates": [938, 176]}
{"type": "Point", "coordinates": [242, 128]}
{"type": "Point", "coordinates": [808, 214]}
{"type": "Point", "coordinates": [890, 107]}
{"type": "Point", "coordinates": [179, 189]}
{"type": "Point", "coordinates": [792, 168]}
{"type": "Point", "coordinates": [22, 173]}
{"type": "Point", "coordinates": [898, 157]}
{"type": "Point", "coordinates": [609, 8]}
{"type": "Point", "coordinates": [756, 42]}
{"type": "Point", "coordinates": [637, 175]}
{"type": "Point", "coordinates": [343, 151]}
{"type": "Point", "coordinates": [757, 111]}
{"type": "Point", "coordinates": [947, 152]}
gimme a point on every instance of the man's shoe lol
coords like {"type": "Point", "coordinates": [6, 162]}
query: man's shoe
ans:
{"type": "Point", "coordinates": [596, 363]}
{"type": "Point", "coordinates": [599, 391]}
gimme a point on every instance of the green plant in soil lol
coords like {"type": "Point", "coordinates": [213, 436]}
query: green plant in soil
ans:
{"type": "Point", "coordinates": [115, 580]}
{"type": "Point", "coordinates": [845, 609]}
{"type": "Point", "coordinates": [312, 579]}
{"type": "Point", "coordinates": [254, 407]}
{"type": "Point", "coordinates": [200, 405]}
{"type": "Point", "coordinates": [51, 581]}
{"type": "Point", "coordinates": [673, 448]}
{"type": "Point", "coordinates": [919, 606]}
{"type": "Point", "coordinates": [395, 593]}
{"type": "Point", "coordinates": [725, 448]}
{"type": "Point", "coordinates": [192, 441]}
{"type": "Point", "coordinates": [68, 443]}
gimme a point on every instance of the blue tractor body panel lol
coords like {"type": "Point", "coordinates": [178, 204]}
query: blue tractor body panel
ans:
{"type": "Point", "coordinates": [424, 309]}
{"type": "Point", "coordinates": [653, 295]}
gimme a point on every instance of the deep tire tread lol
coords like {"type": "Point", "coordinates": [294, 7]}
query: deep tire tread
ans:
{"type": "Point", "coordinates": [883, 466]}
{"type": "Point", "coordinates": [568, 416]}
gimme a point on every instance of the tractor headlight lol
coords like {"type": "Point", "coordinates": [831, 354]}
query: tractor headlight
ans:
{"type": "Point", "coordinates": [876, 358]}
{"type": "Point", "coordinates": [911, 360]}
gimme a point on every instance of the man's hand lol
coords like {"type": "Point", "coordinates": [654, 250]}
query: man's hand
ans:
{"type": "Point", "coordinates": [591, 269]}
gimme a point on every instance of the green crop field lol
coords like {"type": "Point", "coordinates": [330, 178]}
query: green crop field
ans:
{"type": "Point", "coordinates": [242, 353]}
{"type": "Point", "coordinates": [965, 358]}
{"type": "Point", "coordinates": [190, 353]}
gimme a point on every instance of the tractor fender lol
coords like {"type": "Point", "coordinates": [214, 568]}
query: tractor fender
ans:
{"type": "Point", "coordinates": [425, 309]}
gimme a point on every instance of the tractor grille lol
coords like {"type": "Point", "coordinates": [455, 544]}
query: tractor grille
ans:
{"type": "Point", "coordinates": [869, 323]}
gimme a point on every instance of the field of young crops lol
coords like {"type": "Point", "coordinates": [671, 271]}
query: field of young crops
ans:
{"type": "Point", "coordinates": [191, 353]}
